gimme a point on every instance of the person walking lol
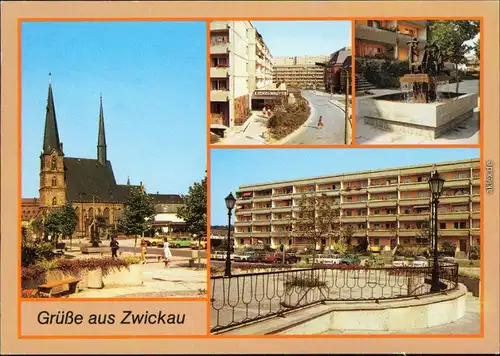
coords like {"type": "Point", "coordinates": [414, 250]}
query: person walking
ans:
{"type": "Point", "coordinates": [167, 254]}
{"type": "Point", "coordinates": [114, 247]}
{"type": "Point", "coordinates": [143, 252]}
{"type": "Point", "coordinates": [320, 122]}
{"type": "Point", "coordinates": [264, 112]}
{"type": "Point", "coordinates": [269, 113]}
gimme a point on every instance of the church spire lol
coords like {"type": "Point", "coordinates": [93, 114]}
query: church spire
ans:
{"type": "Point", "coordinates": [51, 135]}
{"type": "Point", "coordinates": [128, 180]}
{"type": "Point", "coordinates": [101, 140]}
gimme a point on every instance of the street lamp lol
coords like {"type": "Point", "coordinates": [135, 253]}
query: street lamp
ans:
{"type": "Point", "coordinates": [436, 184]}
{"type": "Point", "coordinates": [346, 109]}
{"type": "Point", "coordinates": [230, 201]}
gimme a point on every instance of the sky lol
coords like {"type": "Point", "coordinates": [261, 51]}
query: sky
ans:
{"type": "Point", "coordinates": [309, 38]}
{"type": "Point", "coordinates": [152, 76]}
{"type": "Point", "coordinates": [231, 168]}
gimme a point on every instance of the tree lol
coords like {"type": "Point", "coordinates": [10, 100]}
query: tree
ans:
{"type": "Point", "coordinates": [317, 219]}
{"type": "Point", "coordinates": [477, 48]}
{"type": "Point", "coordinates": [450, 37]}
{"type": "Point", "coordinates": [138, 210]}
{"type": "Point", "coordinates": [194, 211]}
{"type": "Point", "coordinates": [61, 222]}
{"type": "Point", "coordinates": [36, 226]}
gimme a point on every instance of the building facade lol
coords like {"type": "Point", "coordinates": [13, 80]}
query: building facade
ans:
{"type": "Point", "coordinates": [240, 63]}
{"type": "Point", "coordinates": [300, 71]}
{"type": "Point", "coordinates": [335, 70]}
{"type": "Point", "coordinates": [88, 184]}
{"type": "Point", "coordinates": [385, 207]}
{"type": "Point", "coordinates": [388, 38]}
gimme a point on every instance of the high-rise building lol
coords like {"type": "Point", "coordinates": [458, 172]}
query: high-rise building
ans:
{"type": "Point", "coordinates": [386, 207]}
{"type": "Point", "coordinates": [240, 63]}
{"type": "Point", "coordinates": [388, 38]}
{"type": "Point", "coordinates": [301, 71]}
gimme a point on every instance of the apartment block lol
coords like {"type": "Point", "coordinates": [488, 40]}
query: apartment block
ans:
{"type": "Point", "coordinates": [388, 37]}
{"type": "Point", "coordinates": [300, 71]}
{"type": "Point", "coordinates": [240, 63]}
{"type": "Point", "coordinates": [384, 207]}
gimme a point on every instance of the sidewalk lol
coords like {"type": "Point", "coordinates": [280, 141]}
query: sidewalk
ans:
{"type": "Point", "coordinates": [252, 132]}
{"type": "Point", "coordinates": [175, 281]}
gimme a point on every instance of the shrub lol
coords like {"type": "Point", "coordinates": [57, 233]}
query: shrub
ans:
{"type": "Point", "coordinates": [475, 252]}
{"type": "Point", "coordinates": [382, 72]}
{"type": "Point", "coordinates": [305, 282]}
{"type": "Point", "coordinates": [448, 249]}
{"type": "Point", "coordinates": [32, 253]}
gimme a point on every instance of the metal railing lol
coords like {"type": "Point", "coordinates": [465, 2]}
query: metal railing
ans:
{"type": "Point", "coordinates": [249, 297]}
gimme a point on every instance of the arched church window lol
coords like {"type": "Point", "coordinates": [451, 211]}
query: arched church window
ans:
{"type": "Point", "coordinates": [54, 181]}
{"type": "Point", "coordinates": [54, 163]}
{"type": "Point", "coordinates": [54, 201]}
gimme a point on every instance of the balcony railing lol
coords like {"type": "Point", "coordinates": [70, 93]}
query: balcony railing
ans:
{"type": "Point", "coordinates": [373, 34]}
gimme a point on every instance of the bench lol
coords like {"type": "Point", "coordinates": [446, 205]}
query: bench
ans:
{"type": "Point", "coordinates": [57, 287]}
{"type": "Point", "coordinates": [101, 250]}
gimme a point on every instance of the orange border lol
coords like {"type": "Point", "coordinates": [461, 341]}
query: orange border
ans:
{"type": "Point", "coordinates": [207, 20]}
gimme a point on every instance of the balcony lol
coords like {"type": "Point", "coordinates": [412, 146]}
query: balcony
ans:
{"type": "Point", "coordinates": [243, 223]}
{"type": "Point", "coordinates": [383, 189]}
{"type": "Point", "coordinates": [261, 198]}
{"type": "Point", "coordinates": [261, 233]}
{"type": "Point", "coordinates": [354, 204]}
{"type": "Point", "coordinates": [281, 233]}
{"type": "Point", "coordinates": [281, 209]}
{"type": "Point", "coordinates": [476, 215]}
{"type": "Point", "coordinates": [446, 216]}
{"type": "Point", "coordinates": [476, 181]}
{"type": "Point", "coordinates": [219, 95]}
{"type": "Point", "coordinates": [409, 232]}
{"type": "Point", "coordinates": [359, 233]}
{"type": "Point", "coordinates": [451, 199]}
{"type": "Point", "coordinates": [219, 26]}
{"type": "Point", "coordinates": [243, 212]}
{"type": "Point", "coordinates": [247, 200]}
{"type": "Point", "coordinates": [219, 47]}
{"type": "Point", "coordinates": [262, 210]}
{"type": "Point", "coordinates": [457, 183]}
{"type": "Point", "coordinates": [373, 34]}
{"type": "Point", "coordinates": [261, 222]}
{"type": "Point", "coordinates": [382, 203]}
{"type": "Point", "coordinates": [217, 119]}
{"type": "Point", "coordinates": [453, 232]}
{"type": "Point", "coordinates": [382, 218]}
{"type": "Point", "coordinates": [475, 232]}
{"type": "Point", "coordinates": [475, 198]}
{"type": "Point", "coordinates": [414, 202]}
{"type": "Point", "coordinates": [414, 217]}
{"type": "Point", "coordinates": [404, 187]}
{"type": "Point", "coordinates": [238, 234]}
{"type": "Point", "coordinates": [353, 191]}
{"type": "Point", "coordinates": [219, 72]}
{"type": "Point", "coordinates": [381, 233]}
{"type": "Point", "coordinates": [282, 196]}
{"type": "Point", "coordinates": [282, 221]}
{"type": "Point", "coordinates": [329, 193]}
{"type": "Point", "coordinates": [353, 219]}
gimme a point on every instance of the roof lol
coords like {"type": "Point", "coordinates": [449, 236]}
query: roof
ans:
{"type": "Point", "coordinates": [168, 217]}
{"type": "Point", "coordinates": [87, 179]}
{"type": "Point", "coordinates": [167, 198]}
{"type": "Point", "coordinates": [51, 140]}
{"type": "Point", "coordinates": [340, 56]}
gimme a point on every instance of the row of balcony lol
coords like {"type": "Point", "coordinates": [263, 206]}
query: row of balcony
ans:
{"type": "Point", "coordinates": [374, 34]}
{"type": "Point", "coordinates": [369, 233]}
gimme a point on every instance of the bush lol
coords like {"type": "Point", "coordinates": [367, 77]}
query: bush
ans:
{"type": "Point", "coordinates": [32, 253]}
{"type": "Point", "coordinates": [448, 249]}
{"type": "Point", "coordinates": [383, 73]}
{"type": "Point", "coordinates": [475, 252]}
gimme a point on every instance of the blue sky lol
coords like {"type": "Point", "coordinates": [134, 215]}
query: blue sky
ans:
{"type": "Point", "coordinates": [152, 76]}
{"type": "Point", "coordinates": [299, 38]}
{"type": "Point", "coordinates": [232, 168]}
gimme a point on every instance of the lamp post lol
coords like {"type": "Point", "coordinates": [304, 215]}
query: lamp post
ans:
{"type": "Point", "coordinates": [230, 201]}
{"type": "Point", "coordinates": [346, 109]}
{"type": "Point", "coordinates": [436, 184]}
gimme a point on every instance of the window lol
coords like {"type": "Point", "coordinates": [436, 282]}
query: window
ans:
{"type": "Point", "coordinates": [349, 198]}
{"type": "Point", "coordinates": [419, 179]}
{"type": "Point", "coordinates": [54, 163]}
{"type": "Point", "coordinates": [220, 84]}
{"type": "Point", "coordinates": [54, 181]}
{"type": "Point", "coordinates": [442, 225]}
{"type": "Point", "coordinates": [376, 242]}
{"type": "Point", "coordinates": [376, 212]}
{"type": "Point", "coordinates": [348, 213]}
{"type": "Point", "coordinates": [460, 225]}
{"type": "Point", "coordinates": [54, 201]}
{"type": "Point", "coordinates": [242, 241]}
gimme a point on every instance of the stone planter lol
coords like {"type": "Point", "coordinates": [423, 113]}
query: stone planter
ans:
{"type": "Point", "coordinates": [473, 284]}
{"type": "Point", "coordinates": [131, 276]}
{"type": "Point", "coordinates": [95, 279]}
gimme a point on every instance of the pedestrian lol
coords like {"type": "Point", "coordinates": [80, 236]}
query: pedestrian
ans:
{"type": "Point", "coordinates": [320, 122]}
{"type": "Point", "coordinates": [143, 252]}
{"type": "Point", "coordinates": [264, 112]}
{"type": "Point", "coordinates": [167, 254]}
{"type": "Point", "coordinates": [269, 113]}
{"type": "Point", "coordinates": [114, 247]}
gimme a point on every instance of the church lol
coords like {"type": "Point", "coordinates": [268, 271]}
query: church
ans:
{"type": "Point", "coordinates": [88, 184]}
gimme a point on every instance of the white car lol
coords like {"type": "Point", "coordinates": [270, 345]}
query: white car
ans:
{"type": "Point", "coordinates": [242, 257]}
{"type": "Point", "coordinates": [220, 255]}
{"type": "Point", "coordinates": [420, 261]}
{"type": "Point", "coordinates": [331, 260]}
{"type": "Point", "coordinates": [399, 261]}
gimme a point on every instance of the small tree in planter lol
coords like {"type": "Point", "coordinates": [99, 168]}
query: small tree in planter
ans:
{"type": "Point", "coordinates": [448, 249]}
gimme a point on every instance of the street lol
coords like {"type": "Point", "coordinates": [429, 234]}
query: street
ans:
{"type": "Point", "coordinates": [333, 130]}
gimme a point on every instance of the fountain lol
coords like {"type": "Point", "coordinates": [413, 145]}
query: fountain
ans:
{"type": "Point", "coordinates": [420, 108]}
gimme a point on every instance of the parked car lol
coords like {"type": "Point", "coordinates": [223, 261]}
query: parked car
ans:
{"type": "Point", "coordinates": [256, 257]}
{"type": "Point", "coordinates": [332, 260]}
{"type": "Point", "coordinates": [291, 258]}
{"type": "Point", "coordinates": [420, 261]}
{"type": "Point", "coordinates": [179, 242]}
{"type": "Point", "coordinates": [272, 258]}
{"type": "Point", "coordinates": [242, 256]}
{"type": "Point", "coordinates": [158, 241]}
{"type": "Point", "coordinates": [399, 261]}
{"type": "Point", "coordinates": [350, 260]}
{"type": "Point", "coordinates": [448, 259]}
{"type": "Point", "coordinates": [202, 243]}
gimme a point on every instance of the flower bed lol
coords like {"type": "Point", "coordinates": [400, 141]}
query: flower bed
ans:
{"type": "Point", "coordinates": [120, 271]}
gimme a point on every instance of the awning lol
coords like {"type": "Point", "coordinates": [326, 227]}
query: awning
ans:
{"type": "Point", "coordinates": [268, 94]}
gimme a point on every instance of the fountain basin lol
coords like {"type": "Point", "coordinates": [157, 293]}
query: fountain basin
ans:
{"type": "Point", "coordinates": [428, 120]}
